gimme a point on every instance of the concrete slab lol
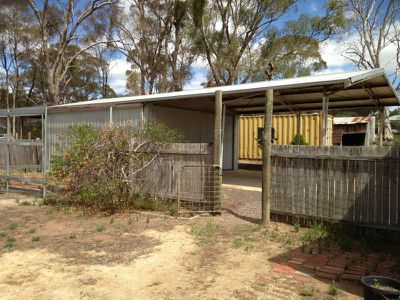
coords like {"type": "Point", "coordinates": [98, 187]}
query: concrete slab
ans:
{"type": "Point", "coordinates": [242, 179]}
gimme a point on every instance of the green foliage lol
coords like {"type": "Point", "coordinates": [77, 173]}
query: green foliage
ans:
{"type": "Point", "coordinates": [205, 233]}
{"type": "Point", "coordinates": [396, 139]}
{"type": "Point", "coordinates": [24, 203]}
{"type": "Point", "coordinates": [10, 242]}
{"type": "Point", "coordinates": [302, 140]}
{"type": "Point", "coordinates": [13, 226]}
{"type": "Point", "coordinates": [98, 168]}
{"type": "Point", "coordinates": [333, 289]}
{"type": "Point", "coordinates": [2, 234]}
{"type": "Point", "coordinates": [36, 239]}
{"type": "Point", "coordinates": [100, 228]}
{"type": "Point", "coordinates": [32, 230]}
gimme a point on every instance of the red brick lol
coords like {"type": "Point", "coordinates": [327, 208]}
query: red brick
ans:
{"type": "Point", "coordinates": [335, 272]}
{"type": "Point", "coordinates": [301, 255]}
{"type": "Point", "coordinates": [335, 269]}
{"type": "Point", "coordinates": [326, 275]}
{"type": "Point", "coordinates": [301, 278]}
{"type": "Point", "coordinates": [283, 268]}
{"type": "Point", "coordinates": [388, 263]}
{"type": "Point", "coordinates": [339, 264]}
{"type": "Point", "coordinates": [354, 272]}
{"type": "Point", "coordinates": [314, 265]}
{"type": "Point", "coordinates": [351, 276]}
{"type": "Point", "coordinates": [296, 261]}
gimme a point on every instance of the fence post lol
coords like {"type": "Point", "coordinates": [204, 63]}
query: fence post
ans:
{"type": "Point", "coordinates": [8, 151]}
{"type": "Point", "coordinates": [325, 103]}
{"type": "Point", "coordinates": [381, 125]}
{"type": "Point", "coordinates": [217, 147]}
{"type": "Point", "coordinates": [298, 127]}
{"type": "Point", "coordinates": [44, 150]}
{"type": "Point", "coordinates": [266, 173]}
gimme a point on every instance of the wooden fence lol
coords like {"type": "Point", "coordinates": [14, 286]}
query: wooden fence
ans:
{"type": "Point", "coordinates": [22, 156]}
{"type": "Point", "coordinates": [185, 173]}
{"type": "Point", "coordinates": [352, 184]}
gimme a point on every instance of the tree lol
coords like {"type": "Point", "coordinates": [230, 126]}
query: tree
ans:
{"type": "Point", "coordinates": [238, 37]}
{"type": "Point", "coordinates": [375, 25]}
{"type": "Point", "coordinates": [375, 28]}
{"type": "Point", "coordinates": [61, 26]}
{"type": "Point", "coordinates": [16, 40]}
{"type": "Point", "coordinates": [83, 79]}
{"type": "Point", "coordinates": [153, 35]}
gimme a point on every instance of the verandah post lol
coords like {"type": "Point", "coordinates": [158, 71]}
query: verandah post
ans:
{"type": "Point", "coordinates": [217, 149]}
{"type": "Point", "coordinates": [266, 158]}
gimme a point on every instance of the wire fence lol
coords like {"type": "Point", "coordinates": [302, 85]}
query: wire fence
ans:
{"type": "Point", "coordinates": [198, 188]}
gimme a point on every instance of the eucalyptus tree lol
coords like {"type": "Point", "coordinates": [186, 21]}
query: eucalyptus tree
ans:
{"type": "Point", "coordinates": [238, 38]}
{"type": "Point", "coordinates": [17, 37]}
{"type": "Point", "coordinates": [374, 30]}
{"type": "Point", "coordinates": [62, 24]}
{"type": "Point", "coordinates": [153, 35]}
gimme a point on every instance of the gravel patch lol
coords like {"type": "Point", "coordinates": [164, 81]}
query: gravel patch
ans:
{"type": "Point", "coordinates": [242, 204]}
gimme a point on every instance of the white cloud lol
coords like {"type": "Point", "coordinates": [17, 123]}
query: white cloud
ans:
{"type": "Point", "coordinates": [117, 81]}
{"type": "Point", "coordinates": [332, 52]}
{"type": "Point", "coordinates": [388, 59]}
{"type": "Point", "coordinates": [197, 80]}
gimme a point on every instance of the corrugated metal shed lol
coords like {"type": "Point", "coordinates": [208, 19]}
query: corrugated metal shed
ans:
{"type": "Point", "coordinates": [346, 125]}
{"type": "Point", "coordinates": [345, 90]}
{"type": "Point", "coordinates": [352, 120]}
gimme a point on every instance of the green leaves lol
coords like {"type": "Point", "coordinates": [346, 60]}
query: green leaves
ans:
{"type": "Point", "coordinates": [98, 168]}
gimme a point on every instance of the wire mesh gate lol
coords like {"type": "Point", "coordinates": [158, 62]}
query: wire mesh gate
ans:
{"type": "Point", "coordinates": [199, 189]}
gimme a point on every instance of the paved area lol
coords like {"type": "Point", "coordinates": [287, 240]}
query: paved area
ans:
{"type": "Point", "coordinates": [249, 180]}
{"type": "Point", "coordinates": [336, 265]}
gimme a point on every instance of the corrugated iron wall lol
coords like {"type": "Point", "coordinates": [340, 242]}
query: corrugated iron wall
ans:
{"type": "Point", "coordinates": [58, 121]}
{"type": "Point", "coordinates": [285, 130]}
{"type": "Point", "coordinates": [197, 127]}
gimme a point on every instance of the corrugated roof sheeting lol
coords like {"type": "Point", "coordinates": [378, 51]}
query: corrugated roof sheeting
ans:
{"type": "Point", "coordinates": [352, 120]}
{"type": "Point", "coordinates": [348, 89]}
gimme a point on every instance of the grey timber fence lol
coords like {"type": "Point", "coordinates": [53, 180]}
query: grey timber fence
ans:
{"type": "Point", "coordinates": [358, 185]}
{"type": "Point", "coordinates": [184, 173]}
{"type": "Point", "coordinates": [22, 160]}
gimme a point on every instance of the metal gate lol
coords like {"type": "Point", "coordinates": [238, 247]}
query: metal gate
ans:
{"type": "Point", "coordinates": [198, 188]}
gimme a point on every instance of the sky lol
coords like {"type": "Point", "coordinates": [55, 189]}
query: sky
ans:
{"type": "Point", "coordinates": [331, 52]}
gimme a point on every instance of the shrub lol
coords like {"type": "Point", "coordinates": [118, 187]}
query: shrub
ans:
{"type": "Point", "coordinates": [102, 169]}
{"type": "Point", "coordinates": [302, 140]}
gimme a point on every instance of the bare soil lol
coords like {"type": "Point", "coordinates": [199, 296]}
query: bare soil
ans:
{"type": "Point", "coordinates": [60, 253]}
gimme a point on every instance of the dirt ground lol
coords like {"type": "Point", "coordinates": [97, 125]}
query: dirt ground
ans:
{"type": "Point", "coordinates": [58, 253]}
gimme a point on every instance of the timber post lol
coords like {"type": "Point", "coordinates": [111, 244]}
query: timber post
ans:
{"type": "Point", "coordinates": [217, 148]}
{"type": "Point", "coordinates": [266, 158]}
{"type": "Point", "coordinates": [381, 125]}
{"type": "Point", "coordinates": [298, 130]}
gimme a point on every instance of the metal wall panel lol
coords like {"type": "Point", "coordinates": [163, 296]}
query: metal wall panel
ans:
{"type": "Point", "coordinates": [228, 150]}
{"type": "Point", "coordinates": [285, 130]}
{"type": "Point", "coordinates": [58, 122]}
{"type": "Point", "coordinates": [133, 115]}
{"type": "Point", "coordinates": [196, 127]}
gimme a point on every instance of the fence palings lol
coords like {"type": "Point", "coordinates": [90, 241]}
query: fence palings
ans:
{"type": "Point", "coordinates": [355, 184]}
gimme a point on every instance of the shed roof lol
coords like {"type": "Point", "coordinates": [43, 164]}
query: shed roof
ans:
{"type": "Point", "coordinates": [346, 90]}
{"type": "Point", "coordinates": [352, 120]}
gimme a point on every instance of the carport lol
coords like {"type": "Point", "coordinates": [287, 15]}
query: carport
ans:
{"type": "Point", "coordinates": [210, 116]}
